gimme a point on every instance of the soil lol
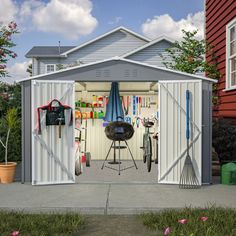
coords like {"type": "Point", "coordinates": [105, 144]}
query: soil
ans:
{"type": "Point", "coordinates": [120, 225]}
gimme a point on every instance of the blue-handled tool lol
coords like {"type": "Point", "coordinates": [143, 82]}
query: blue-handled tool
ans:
{"type": "Point", "coordinates": [187, 115]}
{"type": "Point", "coordinates": [188, 178]}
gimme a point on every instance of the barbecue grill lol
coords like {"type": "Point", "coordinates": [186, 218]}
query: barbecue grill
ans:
{"type": "Point", "coordinates": [119, 131]}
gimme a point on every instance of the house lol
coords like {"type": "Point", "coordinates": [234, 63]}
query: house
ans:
{"type": "Point", "coordinates": [84, 74]}
{"type": "Point", "coordinates": [120, 42]}
{"type": "Point", "coordinates": [221, 34]}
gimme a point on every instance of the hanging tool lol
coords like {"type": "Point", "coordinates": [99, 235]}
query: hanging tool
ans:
{"type": "Point", "coordinates": [140, 104]}
{"type": "Point", "coordinates": [188, 178]}
{"type": "Point", "coordinates": [126, 107]}
{"type": "Point", "coordinates": [134, 105]}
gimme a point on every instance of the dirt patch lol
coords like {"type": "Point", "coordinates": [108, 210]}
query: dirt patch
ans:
{"type": "Point", "coordinates": [114, 225]}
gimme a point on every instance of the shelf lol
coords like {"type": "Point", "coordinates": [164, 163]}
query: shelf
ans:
{"type": "Point", "coordinates": [89, 107]}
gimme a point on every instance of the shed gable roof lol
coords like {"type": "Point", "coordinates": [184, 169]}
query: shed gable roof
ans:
{"type": "Point", "coordinates": [116, 68]}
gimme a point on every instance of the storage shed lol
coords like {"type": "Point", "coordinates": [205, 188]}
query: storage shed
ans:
{"type": "Point", "coordinates": [49, 160]}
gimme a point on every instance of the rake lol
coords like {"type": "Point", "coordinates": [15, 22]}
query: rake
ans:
{"type": "Point", "coordinates": [188, 178]}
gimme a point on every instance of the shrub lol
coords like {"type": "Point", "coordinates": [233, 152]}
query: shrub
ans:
{"type": "Point", "coordinates": [224, 140]}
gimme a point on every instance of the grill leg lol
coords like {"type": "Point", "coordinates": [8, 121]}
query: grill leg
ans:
{"type": "Point", "coordinates": [131, 154]}
{"type": "Point", "coordinates": [107, 155]}
{"type": "Point", "coordinates": [119, 157]}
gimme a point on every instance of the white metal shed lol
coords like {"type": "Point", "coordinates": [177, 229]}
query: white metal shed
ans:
{"type": "Point", "coordinates": [55, 165]}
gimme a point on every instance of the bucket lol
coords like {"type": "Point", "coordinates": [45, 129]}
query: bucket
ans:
{"type": "Point", "coordinates": [228, 174]}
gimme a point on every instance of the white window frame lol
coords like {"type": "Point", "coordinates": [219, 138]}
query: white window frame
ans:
{"type": "Point", "coordinates": [46, 68]}
{"type": "Point", "coordinates": [228, 57]}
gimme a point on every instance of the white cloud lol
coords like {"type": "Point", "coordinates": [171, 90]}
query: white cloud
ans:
{"type": "Point", "coordinates": [71, 18]}
{"type": "Point", "coordinates": [116, 20]}
{"type": "Point", "coordinates": [166, 25]}
{"type": "Point", "coordinates": [18, 70]}
{"type": "Point", "coordinates": [8, 11]}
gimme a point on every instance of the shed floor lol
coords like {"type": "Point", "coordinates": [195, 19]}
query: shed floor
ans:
{"type": "Point", "coordinates": [94, 174]}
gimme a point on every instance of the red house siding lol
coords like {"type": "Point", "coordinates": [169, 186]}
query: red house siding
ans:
{"type": "Point", "coordinates": [218, 14]}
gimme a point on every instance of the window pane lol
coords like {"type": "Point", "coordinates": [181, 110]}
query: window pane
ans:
{"type": "Point", "coordinates": [233, 78]}
{"type": "Point", "coordinates": [232, 48]}
{"type": "Point", "coordinates": [233, 64]}
{"type": "Point", "coordinates": [232, 34]}
{"type": "Point", "coordinates": [50, 68]}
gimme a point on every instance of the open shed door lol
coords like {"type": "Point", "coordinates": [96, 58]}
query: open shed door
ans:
{"type": "Point", "coordinates": [53, 159]}
{"type": "Point", "coordinates": [172, 133]}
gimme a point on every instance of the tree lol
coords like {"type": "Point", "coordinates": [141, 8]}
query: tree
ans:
{"type": "Point", "coordinates": [6, 44]}
{"type": "Point", "coordinates": [29, 69]}
{"type": "Point", "coordinates": [188, 55]}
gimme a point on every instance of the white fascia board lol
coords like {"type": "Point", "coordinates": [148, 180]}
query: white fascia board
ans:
{"type": "Point", "coordinates": [103, 36]}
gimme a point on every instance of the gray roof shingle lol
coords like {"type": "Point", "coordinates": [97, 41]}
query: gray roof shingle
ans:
{"type": "Point", "coordinates": [47, 51]}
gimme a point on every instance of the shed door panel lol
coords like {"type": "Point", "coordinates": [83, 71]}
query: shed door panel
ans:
{"type": "Point", "coordinates": [53, 158]}
{"type": "Point", "coordinates": [172, 121]}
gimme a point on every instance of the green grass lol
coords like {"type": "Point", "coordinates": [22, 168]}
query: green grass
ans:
{"type": "Point", "coordinates": [40, 224]}
{"type": "Point", "coordinates": [221, 222]}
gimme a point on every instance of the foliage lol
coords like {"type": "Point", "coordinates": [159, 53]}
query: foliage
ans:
{"type": "Point", "coordinates": [188, 56]}
{"type": "Point", "coordinates": [40, 224]}
{"type": "Point", "coordinates": [210, 222]}
{"type": "Point", "coordinates": [10, 97]}
{"type": "Point", "coordinates": [10, 123]}
{"type": "Point", "coordinates": [29, 69]}
{"type": "Point", "coordinates": [224, 140]}
{"type": "Point", "coordinates": [6, 44]}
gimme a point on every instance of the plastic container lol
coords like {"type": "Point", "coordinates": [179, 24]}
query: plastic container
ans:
{"type": "Point", "coordinates": [228, 173]}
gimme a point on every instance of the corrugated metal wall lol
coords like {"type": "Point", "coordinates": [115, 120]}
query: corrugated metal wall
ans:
{"type": "Point", "coordinates": [172, 146]}
{"type": "Point", "coordinates": [55, 165]}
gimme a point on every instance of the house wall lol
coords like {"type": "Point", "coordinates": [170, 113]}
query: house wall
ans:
{"type": "Point", "coordinates": [152, 54]}
{"type": "Point", "coordinates": [115, 44]}
{"type": "Point", "coordinates": [218, 14]}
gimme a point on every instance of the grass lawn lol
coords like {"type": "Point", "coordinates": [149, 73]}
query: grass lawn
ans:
{"type": "Point", "coordinates": [195, 222]}
{"type": "Point", "coordinates": [39, 224]}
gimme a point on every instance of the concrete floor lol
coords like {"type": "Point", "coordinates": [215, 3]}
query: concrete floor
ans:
{"type": "Point", "coordinates": [94, 173]}
{"type": "Point", "coordinates": [113, 198]}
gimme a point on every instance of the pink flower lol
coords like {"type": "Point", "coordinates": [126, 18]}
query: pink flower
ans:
{"type": "Point", "coordinates": [204, 218]}
{"type": "Point", "coordinates": [14, 55]}
{"type": "Point", "coordinates": [167, 231]}
{"type": "Point", "coordinates": [183, 221]}
{"type": "Point", "coordinates": [15, 233]}
{"type": "Point", "coordinates": [2, 67]}
{"type": "Point", "coordinates": [12, 25]}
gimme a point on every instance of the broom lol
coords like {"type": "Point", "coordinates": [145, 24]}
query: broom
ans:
{"type": "Point", "coordinates": [188, 178]}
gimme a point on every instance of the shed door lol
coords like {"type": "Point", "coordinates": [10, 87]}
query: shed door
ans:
{"type": "Point", "coordinates": [172, 135]}
{"type": "Point", "coordinates": [53, 157]}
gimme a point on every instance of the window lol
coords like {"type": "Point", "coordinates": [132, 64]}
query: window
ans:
{"type": "Point", "coordinates": [50, 68]}
{"type": "Point", "coordinates": [231, 55]}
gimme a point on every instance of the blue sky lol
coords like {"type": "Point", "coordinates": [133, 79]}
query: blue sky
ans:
{"type": "Point", "coordinates": [72, 22]}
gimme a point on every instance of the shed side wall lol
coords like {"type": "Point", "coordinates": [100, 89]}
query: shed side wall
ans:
{"type": "Point", "coordinates": [206, 132]}
{"type": "Point", "coordinates": [26, 132]}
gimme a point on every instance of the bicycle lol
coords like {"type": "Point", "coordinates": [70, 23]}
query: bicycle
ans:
{"type": "Point", "coordinates": [147, 143]}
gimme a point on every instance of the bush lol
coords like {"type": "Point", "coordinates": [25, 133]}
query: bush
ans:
{"type": "Point", "coordinates": [224, 140]}
{"type": "Point", "coordinates": [10, 97]}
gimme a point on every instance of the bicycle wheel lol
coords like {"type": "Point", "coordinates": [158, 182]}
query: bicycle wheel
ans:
{"type": "Point", "coordinates": [149, 153]}
{"type": "Point", "coordinates": [144, 148]}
